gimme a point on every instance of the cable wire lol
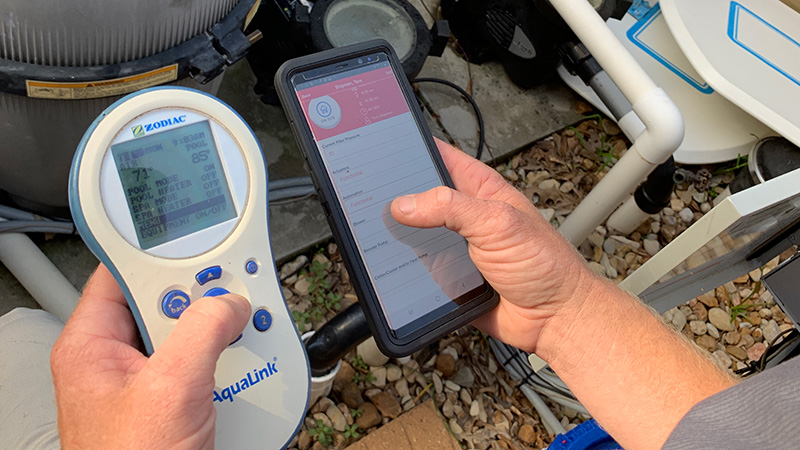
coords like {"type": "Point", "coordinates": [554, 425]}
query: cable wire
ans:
{"type": "Point", "coordinates": [481, 127]}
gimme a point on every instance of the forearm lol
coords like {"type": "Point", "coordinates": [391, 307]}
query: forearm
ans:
{"type": "Point", "coordinates": [635, 376]}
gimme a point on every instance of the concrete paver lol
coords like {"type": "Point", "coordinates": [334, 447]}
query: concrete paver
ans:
{"type": "Point", "coordinates": [419, 429]}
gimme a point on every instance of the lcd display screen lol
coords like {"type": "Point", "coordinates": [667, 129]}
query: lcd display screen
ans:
{"type": "Point", "coordinates": [174, 183]}
{"type": "Point", "coordinates": [374, 152]}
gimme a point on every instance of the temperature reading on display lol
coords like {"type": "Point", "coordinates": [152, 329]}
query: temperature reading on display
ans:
{"type": "Point", "coordinates": [174, 183]}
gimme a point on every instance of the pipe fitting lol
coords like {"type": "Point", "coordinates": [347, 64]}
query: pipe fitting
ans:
{"type": "Point", "coordinates": [664, 126]}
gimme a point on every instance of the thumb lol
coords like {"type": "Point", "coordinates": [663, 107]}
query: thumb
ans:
{"type": "Point", "coordinates": [203, 331]}
{"type": "Point", "coordinates": [442, 206]}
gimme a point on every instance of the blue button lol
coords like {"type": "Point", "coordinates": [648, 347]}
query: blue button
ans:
{"type": "Point", "coordinates": [262, 320]}
{"type": "Point", "coordinates": [174, 303]}
{"type": "Point", "coordinates": [213, 292]}
{"type": "Point", "coordinates": [206, 275]}
{"type": "Point", "coordinates": [237, 339]}
{"type": "Point", "coordinates": [251, 267]}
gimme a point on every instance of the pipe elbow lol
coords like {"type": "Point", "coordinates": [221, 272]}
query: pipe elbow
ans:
{"type": "Point", "coordinates": [664, 126]}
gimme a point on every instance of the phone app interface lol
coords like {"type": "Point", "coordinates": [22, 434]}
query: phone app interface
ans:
{"type": "Point", "coordinates": [373, 151]}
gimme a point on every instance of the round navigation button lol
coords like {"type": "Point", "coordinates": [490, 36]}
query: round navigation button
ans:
{"type": "Point", "coordinates": [251, 267]}
{"type": "Point", "coordinates": [174, 303]}
{"type": "Point", "coordinates": [214, 292]}
{"type": "Point", "coordinates": [262, 320]}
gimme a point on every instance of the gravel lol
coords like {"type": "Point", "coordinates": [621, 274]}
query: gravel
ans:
{"type": "Point", "coordinates": [475, 396]}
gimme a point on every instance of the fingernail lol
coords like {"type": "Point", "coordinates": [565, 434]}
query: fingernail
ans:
{"type": "Point", "coordinates": [406, 204]}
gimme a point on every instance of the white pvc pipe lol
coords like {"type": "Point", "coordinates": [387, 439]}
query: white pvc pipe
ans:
{"type": "Point", "coordinates": [663, 122]}
{"type": "Point", "coordinates": [38, 275]}
{"type": "Point", "coordinates": [605, 47]}
{"type": "Point", "coordinates": [627, 217]}
{"type": "Point", "coordinates": [320, 386]}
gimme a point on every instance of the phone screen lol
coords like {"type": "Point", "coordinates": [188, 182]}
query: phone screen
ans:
{"type": "Point", "coordinates": [373, 151]}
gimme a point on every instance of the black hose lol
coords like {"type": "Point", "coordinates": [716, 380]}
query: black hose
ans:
{"type": "Point", "coordinates": [481, 127]}
{"type": "Point", "coordinates": [330, 343]}
{"type": "Point", "coordinates": [655, 193]}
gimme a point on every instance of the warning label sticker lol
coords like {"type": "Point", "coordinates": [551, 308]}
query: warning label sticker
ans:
{"type": "Point", "coordinates": [101, 88]}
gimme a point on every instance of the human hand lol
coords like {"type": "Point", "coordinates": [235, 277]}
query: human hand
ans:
{"type": "Point", "coordinates": [537, 273]}
{"type": "Point", "coordinates": [111, 396]}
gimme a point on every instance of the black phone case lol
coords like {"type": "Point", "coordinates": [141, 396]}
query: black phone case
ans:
{"type": "Point", "coordinates": [387, 342]}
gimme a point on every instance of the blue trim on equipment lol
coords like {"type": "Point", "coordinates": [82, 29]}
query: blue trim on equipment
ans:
{"type": "Point", "coordinates": [633, 36]}
{"type": "Point", "coordinates": [733, 34]}
{"type": "Point", "coordinates": [586, 436]}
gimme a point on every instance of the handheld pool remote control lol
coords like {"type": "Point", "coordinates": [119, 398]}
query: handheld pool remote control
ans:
{"type": "Point", "coordinates": [169, 190]}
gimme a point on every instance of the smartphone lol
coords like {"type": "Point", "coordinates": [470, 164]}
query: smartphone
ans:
{"type": "Point", "coordinates": [366, 142]}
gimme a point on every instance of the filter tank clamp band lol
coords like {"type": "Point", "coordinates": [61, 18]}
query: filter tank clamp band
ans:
{"type": "Point", "coordinates": [202, 58]}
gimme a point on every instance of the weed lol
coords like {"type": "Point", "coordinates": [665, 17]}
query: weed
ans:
{"type": "Point", "coordinates": [743, 307]}
{"type": "Point", "coordinates": [351, 431]}
{"type": "Point", "coordinates": [356, 413]}
{"type": "Point", "coordinates": [741, 161]}
{"type": "Point", "coordinates": [301, 319]}
{"type": "Point", "coordinates": [322, 433]}
{"type": "Point", "coordinates": [362, 370]}
{"type": "Point", "coordinates": [606, 151]}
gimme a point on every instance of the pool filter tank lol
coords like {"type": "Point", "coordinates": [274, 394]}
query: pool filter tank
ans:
{"type": "Point", "coordinates": [63, 62]}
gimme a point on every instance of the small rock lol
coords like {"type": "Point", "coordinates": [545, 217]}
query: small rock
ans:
{"type": "Point", "coordinates": [720, 319]}
{"type": "Point", "coordinates": [438, 386]}
{"type": "Point", "coordinates": [712, 330]}
{"type": "Point", "coordinates": [748, 340]}
{"type": "Point", "coordinates": [771, 331]}
{"type": "Point", "coordinates": [292, 267]}
{"type": "Point", "coordinates": [322, 417]}
{"type": "Point", "coordinates": [777, 314]}
{"type": "Point", "coordinates": [766, 313]}
{"type": "Point", "coordinates": [474, 408]}
{"type": "Point", "coordinates": [402, 388]}
{"type": "Point", "coordinates": [596, 239]}
{"type": "Point", "coordinates": [705, 207]}
{"type": "Point", "coordinates": [686, 215]}
{"type": "Point", "coordinates": [510, 175]}
{"type": "Point", "coordinates": [707, 342]}
{"type": "Point", "coordinates": [447, 408]}
{"type": "Point", "coordinates": [465, 396]}
{"type": "Point", "coordinates": [287, 293]}
{"type": "Point", "coordinates": [369, 352]}
{"type": "Point", "coordinates": [317, 446]}
{"type": "Point", "coordinates": [453, 387]}
{"type": "Point", "coordinates": [723, 358]}
{"type": "Point", "coordinates": [369, 418]}
{"type": "Point", "coordinates": [446, 364]}
{"type": "Point", "coordinates": [303, 440]}
{"type": "Point", "coordinates": [302, 285]}
{"type": "Point", "coordinates": [678, 319]}
{"type": "Point", "coordinates": [337, 418]}
{"type": "Point", "coordinates": [393, 373]}
{"type": "Point", "coordinates": [387, 404]}
{"type": "Point", "coordinates": [698, 327]}
{"type": "Point", "coordinates": [755, 352]}
{"type": "Point", "coordinates": [351, 396]}
{"type": "Point", "coordinates": [709, 299]}
{"type": "Point", "coordinates": [609, 246]}
{"type": "Point", "coordinates": [741, 280]}
{"type": "Point", "coordinates": [372, 392]}
{"type": "Point", "coordinates": [527, 434]}
{"type": "Point", "coordinates": [700, 311]}
{"type": "Point", "coordinates": [547, 213]}
{"type": "Point", "coordinates": [736, 352]}
{"type": "Point", "coordinates": [464, 377]}
{"type": "Point", "coordinates": [758, 334]}
{"type": "Point", "coordinates": [380, 376]}
{"type": "Point", "coordinates": [732, 337]}
{"type": "Point", "coordinates": [455, 427]}
{"type": "Point", "coordinates": [651, 246]}
{"type": "Point", "coordinates": [676, 205]}
{"type": "Point", "coordinates": [548, 184]}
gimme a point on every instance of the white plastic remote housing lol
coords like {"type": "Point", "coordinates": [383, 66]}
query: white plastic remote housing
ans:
{"type": "Point", "coordinates": [262, 379]}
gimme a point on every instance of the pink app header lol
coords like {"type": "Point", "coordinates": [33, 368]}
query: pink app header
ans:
{"type": "Point", "coordinates": [358, 101]}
